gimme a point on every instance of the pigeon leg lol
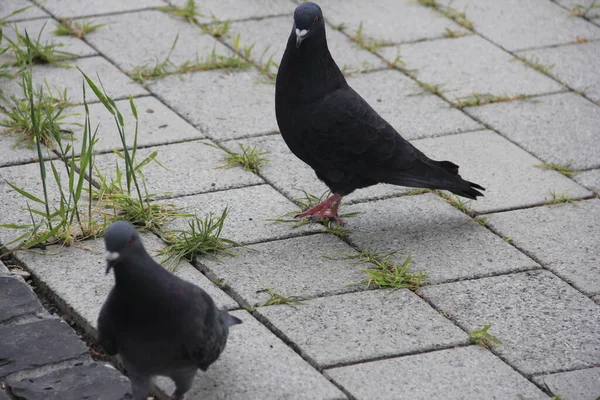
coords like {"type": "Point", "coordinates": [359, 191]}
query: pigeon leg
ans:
{"type": "Point", "coordinates": [183, 382]}
{"type": "Point", "coordinates": [140, 386]}
{"type": "Point", "coordinates": [327, 209]}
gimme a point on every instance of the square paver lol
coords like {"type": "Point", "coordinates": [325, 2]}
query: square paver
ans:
{"type": "Point", "coordinates": [16, 152]}
{"type": "Point", "coordinates": [307, 266]}
{"type": "Point", "coordinates": [250, 211]}
{"type": "Point", "coordinates": [223, 105]}
{"type": "Point", "coordinates": [10, 6]}
{"type": "Point", "coordinates": [257, 365]}
{"type": "Point", "coordinates": [411, 111]}
{"type": "Point", "coordinates": [545, 325]}
{"type": "Point", "coordinates": [269, 36]}
{"type": "Point", "coordinates": [524, 24]}
{"type": "Point", "coordinates": [291, 175]}
{"type": "Point", "coordinates": [590, 179]}
{"type": "Point", "coordinates": [508, 173]}
{"type": "Point", "coordinates": [117, 84]}
{"type": "Point", "coordinates": [380, 20]}
{"type": "Point", "coordinates": [577, 65]}
{"type": "Point", "coordinates": [463, 373]}
{"type": "Point", "coordinates": [76, 275]}
{"type": "Point", "coordinates": [442, 241]}
{"type": "Point", "coordinates": [235, 10]}
{"type": "Point", "coordinates": [157, 125]}
{"type": "Point", "coordinates": [564, 238]}
{"type": "Point", "coordinates": [559, 129]}
{"type": "Point", "coordinates": [42, 30]}
{"type": "Point", "coordinates": [185, 168]}
{"type": "Point", "coordinates": [78, 8]}
{"type": "Point", "coordinates": [363, 326]}
{"type": "Point", "coordinates": [573, 385]}
{"type": "Point", "coordinates": [133, 40]}
{"type": "Point", "coordinates": [468, 65]}
{"type": "Point", "coordinates": [32, 345]}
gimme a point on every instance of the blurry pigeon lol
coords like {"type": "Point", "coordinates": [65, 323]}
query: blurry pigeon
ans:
{"type": "Point", "coordinates": [330, 127]}
{"type": "Point", "coordinates": [159, 324]}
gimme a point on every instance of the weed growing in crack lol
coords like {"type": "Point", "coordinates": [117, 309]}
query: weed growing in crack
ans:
{"type": "Point", "coordinates": [450, 12]}
{"type": "Point", "coordinates": [560, 168]}
{"type": "Point", "coordinates": [69, 27]}
{"type": "Point", "coordinates": [558, 198]}
{"type": "Point", "coordinates": [456, 202]}
{"type": "Point", "coordinates": [483, 338]}
{"type": "Point", "coordinates": [201, 237]}
{"type": "Point", "coordinates": [583, 11]}
{"type": "Point", "coordinates": [277, 299]}
{"type": "Point", "coordinates": [250, 159]}
{"type": "Point", "coordinates": [385, 273]}
{"type": "Point", "coordinates": [29, 51]}
{"type": "Point", "coordinates": [188, 12]}
{"type": "Point", "coordinates": [534, 62]}
{"type": "Point", "coordinates": [365, 42]}
{"type": "Point", "coordinates": [479, 99]}
{"type": "Point", "coordinates": [217, 28]}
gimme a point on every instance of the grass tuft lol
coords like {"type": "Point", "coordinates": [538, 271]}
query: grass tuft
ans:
{"type": "Point", "coordinates": [188, 12]}
{"type": "Point", "coordinates": [560, 168]}
{"type": "Point", "coordinates": [385, 273]}
{"type": "Point", "coordinates": [69, 27]}
{"type": "Point", "coordinates": [450, 12]}
{"type": "Point", "coordinates": [558, 198]}
{"type": "Point", "coordinates": [217, 28]}
{"type": "Point", "coordinates": [365, 42]}
{"type": "Point", "coordinates": [456, 202]}
{"type": "Point", "coordinates": [580, 10]}
{"type": "Point", "coordinates": [451, 34]}
{"type": "Point", "coordinates": [415, 192]}
{"type": "Point", "coordinates": [479, 99]}
{"type": "Point", "coordinates": [29, 51]}
{"type": "Point", "coordinates": [201, 237]}
{"type": "Point", "coordinates": [250, 159]}
{"type": "Point", "coordinates": [483, 338]}
{"type": "Point", "coordinates": [534, 62]}
{"type": "Point", "coordinates": [277, 299]}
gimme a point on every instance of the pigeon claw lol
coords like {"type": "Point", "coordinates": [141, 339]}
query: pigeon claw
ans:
{"type": "Point", "coordinates": [327, 209]}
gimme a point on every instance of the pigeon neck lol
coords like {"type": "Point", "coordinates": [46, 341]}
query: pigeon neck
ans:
{"type": "Point", "coordinates": [140, 271]}
{"type": "Point", "coordinates": [311, 66]}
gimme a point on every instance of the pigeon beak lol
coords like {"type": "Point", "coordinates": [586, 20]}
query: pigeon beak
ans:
{"type": "Point", "coordinates": [110, 257]}
{"type": "Point", "coordinates": [300, 36]}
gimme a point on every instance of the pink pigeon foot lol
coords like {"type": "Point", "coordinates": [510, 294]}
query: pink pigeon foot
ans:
{"type": "Point", "coordinates": [327, 209]}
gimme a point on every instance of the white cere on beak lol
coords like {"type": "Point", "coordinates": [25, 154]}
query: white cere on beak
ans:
{"type": "Point", "coordinates": [112, 255]}
{"type": "Point", "coordinates": [301, 33]}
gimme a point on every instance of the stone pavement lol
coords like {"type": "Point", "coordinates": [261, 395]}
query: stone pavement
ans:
{"type": "Point", "coordinates": [500, 89]}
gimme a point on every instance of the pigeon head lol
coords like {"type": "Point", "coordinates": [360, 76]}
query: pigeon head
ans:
{"type": "Point", "coordinates": [308, 20]}
{"type": "Point", "coordinates": [121, 241]}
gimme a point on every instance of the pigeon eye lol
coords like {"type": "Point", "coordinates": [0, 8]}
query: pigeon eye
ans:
{"type": "Point", "coordinates": [315, 20]}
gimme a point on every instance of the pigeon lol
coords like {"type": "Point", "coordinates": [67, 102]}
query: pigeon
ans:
{"type": "Point", "coordinates": [158, 323]}
{"type": "Point", "coordinates": [330, 127]}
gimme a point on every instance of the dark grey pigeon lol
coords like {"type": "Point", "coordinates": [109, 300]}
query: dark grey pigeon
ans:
{"type": "Point", "coordinates": [157, 323]}
{"type": "Point", "coordinates": [333, 129]}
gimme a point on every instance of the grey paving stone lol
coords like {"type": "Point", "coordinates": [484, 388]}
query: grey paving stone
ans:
{"type": "Point", "coordinates": [545, 325]}
{"type": "Point", "coordinates": [76, 276]}
{"type": "Point", "coordinates": [590, 179]}
{"type": "Point", "coordinates": [524, 24]}
{"type": "Point", "coordinates": [17, 299]}
{"type": "Point", "coordinates": [582, 384]}
{"type": "Point", "coordinates": [133, 40]}
{"type": "Point", "coordinates": [270, 36]}
{"type": "Point", "coordinates": [443, 242]}
{"type": "Point", "coordinates": [411, 111]}
{"type": "Point", "coordinates": [361, 326]}
{"type": "Point", "coordinates": [234, 10]}
{"type": "Point", "coordinates": [307, 266]}
{"type": "Point", "coordinates": [577, 65]}
{"type": "Point", "coordinates": [185, 168]}
{"type": "Point", "coordinates": [249, 212]}
{"type": "Point", "coordinates": [9, 6]}
{"type": "Point", "coordinates": [14, 153]}
{"type": "Point", "coordinates": [258, 365]}
{"type": "Point", "coordinates": [117, 84]}
{"type": "Point", "coordinates": [596, 299]}
{"type": "Point", "coordinates": [93, 381]}
{"type": "Point", "coordinates": [76, 8]}
{"type": "Point", "coordinates": [521, 122]}
{"type": "Point", "coordinates": [470, 65]}
{"type": "Point", "coordinates": [4, 395]}
{"type": "Point", "coordinates": [290, 175]}
{"type": "Point", "coordinates": [380, 19]}
{"type": "Point", "coordinates": [564, 238]}
{"type": "Point", "coordinates": [42, 30]}
{"type": "Point", "coordinates": [461, 373]}
{"type": "Point", "coordinates": [508, 173]}
{"type": "Point", "coordinates": [217, 102]}
{"type": "Point", "coordinates": [3, 269]}
{"type": "Point", "coordinates": [157, 125]}
{"type": "Point", "coordinates": [14, 205]}
{"type": "Point", "coordinates": [38, 343]}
